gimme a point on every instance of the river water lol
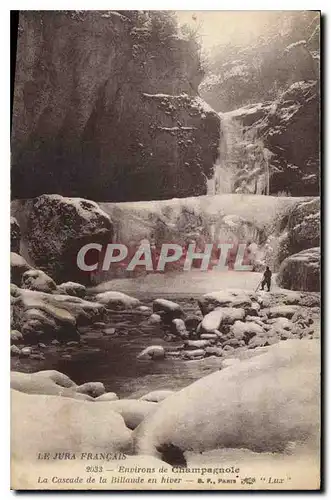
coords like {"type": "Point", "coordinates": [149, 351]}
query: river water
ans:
{"type": "Point", "coordinates": [112, 358]}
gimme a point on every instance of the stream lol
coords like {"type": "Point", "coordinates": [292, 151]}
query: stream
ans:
{"type": "Point", "coordinates": [112, 358]}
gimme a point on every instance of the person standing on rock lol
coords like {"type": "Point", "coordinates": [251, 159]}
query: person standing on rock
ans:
{"type": "Point", "coordinates": [266, 279]}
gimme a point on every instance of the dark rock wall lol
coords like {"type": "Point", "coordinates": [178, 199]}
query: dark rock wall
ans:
{"type": "Point", "coordinates": [82, 125]}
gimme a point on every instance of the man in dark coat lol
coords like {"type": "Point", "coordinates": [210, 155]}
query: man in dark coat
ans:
{"type": "Point", "coordinates": [266, 279]}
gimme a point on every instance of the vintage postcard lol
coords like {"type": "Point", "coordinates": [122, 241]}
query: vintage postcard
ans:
{"type": "Point", "coordinates": [165, 250]}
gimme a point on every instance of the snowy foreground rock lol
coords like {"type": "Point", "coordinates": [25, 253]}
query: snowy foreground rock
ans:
{"type": "Point", "coordinates": [261, 404]}
{"type": "Point", "coordinates": [267, 403]}
{"type": "Point", "coordinates": [44, 423]}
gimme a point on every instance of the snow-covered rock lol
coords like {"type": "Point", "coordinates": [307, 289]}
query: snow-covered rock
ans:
{"type": "Point", "coordinates": [261, 404]}
{"type": "Point", "coordinates": [212, 321]}
{"type": "Point", "coordinates": [280, 322]}
{"type": "Point", "coordinates": [152, 352]}
{"type": "Point", "coordinates": [51, 423]}
{"type": "Point", "coordinates": [93, 389]}
{"type": "Point", "coordinates": [196, 344]}
{"type": "Point", "coordinates": [45, 382]}
{"type": "Point", "coordinates": [133, 411]}
{"type": "Point", "coordinates": [107, 396]}
{"type": "Point", "coordinates": [213, 300]}
{"type": "Point", "coordinates": [55, 228]}
{"type": "Point", "coordinates": [154, 319]}
{"type": "Point", "coordinates": [301, 271]}
{"type": "Point", "coordinates": [167, 309]}
{"type": "Point", "coordinates": [157, 396]}
{"type": "Point", "coordinates": [18, 266]}
{"type": "Point", "coordinates": [35, 279]}
{"type": "Point", "coordinates": [41, 316]}
{"type": "Point", "coordinates": [16, 336]}
{"type": "Point", "coordinates": [71, 288]}
{"type": "Point", "coordinates": [282, 311]}
{"type": "Point", "coordinates": [244, 331]}
{"type": "Point", "coordinates": [179, 328]}
{"type": "Point", "coordinates": [117, 300]}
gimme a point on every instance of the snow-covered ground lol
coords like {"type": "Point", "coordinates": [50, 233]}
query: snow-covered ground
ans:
{"type": "Point", "coordinates": [193, 283]}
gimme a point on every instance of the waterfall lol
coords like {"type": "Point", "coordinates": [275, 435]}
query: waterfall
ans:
{"type": "Point", "coordinates": [242, 165]}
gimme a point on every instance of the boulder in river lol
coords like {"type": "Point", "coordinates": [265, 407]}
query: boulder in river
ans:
{"type": "Point", "coordinates": [152, 352]}
{"type": "Point", "coordinates": [178, 327]}
{"type": "Point", "coordinates": [39, 319]}
{"type": "Point", "coordinates": [167, 309]}
{"type": "Point", "coordinates": [41, 316]}
{"type": "Point", "coordinates": [212, 321]}
{"type": "Point", "coordinates": [246, 330]}
{"type": "Point", "coordinates": [117, 300]}
{"type": "Point", "coordinates": [213, 300]}
{"type": "Point", "coordinates": [282, 311]}
{"type": "Point", "coordinates": [255, 404]}
{"type": "Point", "coordinates": [154, 319]}
{"type": "Point", "coordinates": [71, 288]}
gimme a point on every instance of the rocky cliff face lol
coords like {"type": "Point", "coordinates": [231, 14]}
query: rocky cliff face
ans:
{"type": "Point", "coordinates": [106, 107]}
{"type": "Point", "coordinates": [284, 51]}
{"type": "Point", "coordinates": [270, 88]}
{"type": "Point", "coordinates": [288, 128]}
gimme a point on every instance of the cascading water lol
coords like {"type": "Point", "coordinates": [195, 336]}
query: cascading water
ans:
{"type": "Point", "coordinates": [242, 166]}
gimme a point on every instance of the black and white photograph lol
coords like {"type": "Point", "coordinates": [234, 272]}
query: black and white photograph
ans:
{"type": "Point", "coordinates": [165, 291]}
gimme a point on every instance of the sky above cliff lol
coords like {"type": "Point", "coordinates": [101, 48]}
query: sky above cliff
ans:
{"type": "Point", "coordinates": [218, 27]}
